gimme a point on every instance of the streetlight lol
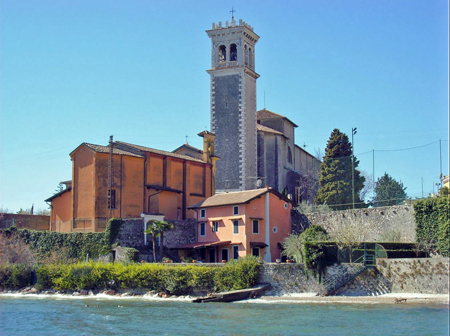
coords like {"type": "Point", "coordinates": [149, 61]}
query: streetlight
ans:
{"type": "Point", "coordinates": [353, 169]}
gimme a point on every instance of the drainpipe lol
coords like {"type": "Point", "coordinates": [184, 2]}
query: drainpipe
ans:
{"type": "Point", "coordinates": [267, 255]}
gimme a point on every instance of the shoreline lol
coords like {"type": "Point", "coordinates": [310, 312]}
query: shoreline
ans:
{"type": "Point", "coordinates": [297, 298]}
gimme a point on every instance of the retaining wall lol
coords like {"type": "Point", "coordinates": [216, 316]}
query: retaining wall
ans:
{"type": "Point", "coordinates": [377, 224]}
{"type": "Point", "coordinates": [421, 275]}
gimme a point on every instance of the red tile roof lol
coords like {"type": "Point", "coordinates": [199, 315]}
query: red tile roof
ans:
{"type": "Point", "coordinates": [105, 149]}
{"type": "Point", "coordinates": [266, 129]}
{"type": "Point", "coordinates": [236, 197]}
{"type": "Point", "coordinates": [157, 151]}
{"type": "Point", "coordinates": [266, 114]}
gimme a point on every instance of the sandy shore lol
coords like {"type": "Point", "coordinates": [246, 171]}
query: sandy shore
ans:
{"type": "Point", "coordinates": [391, 298]}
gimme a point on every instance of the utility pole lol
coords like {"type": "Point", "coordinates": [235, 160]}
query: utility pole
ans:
{"type": "Point", "coordinates": [440, 163]}
{"type": "Point", "coordinates": [353, 169]}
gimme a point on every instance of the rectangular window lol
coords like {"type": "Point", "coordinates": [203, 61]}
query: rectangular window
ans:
{"type": "Point", "coordinates": [235, 226]}
{"type": "Point", "coordinates": [236, 210]}
{"type": "Point", "coordinates": [202, 229]}
{"type": "Point", "coordinates": [202, 213]}
{"type": "Point", "coordinates": [255, 226]}
{"type": "Point", "coordinates": [255, 251]}
{"type": "Point", "coordinates": [111, 198]}
{"type": "Point", "coordinates": [235, 252]}
{"type": "Point", "coordinates": [215, 226]}
{"type": "Point", "coordinates": [225, 254]}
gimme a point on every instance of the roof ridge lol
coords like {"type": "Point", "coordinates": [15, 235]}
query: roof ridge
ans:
{"type": "Point", "coordinates": [160, 151]}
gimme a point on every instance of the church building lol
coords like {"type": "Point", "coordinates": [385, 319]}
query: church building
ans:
{"type": "Point", "coordinates": [255, 148]}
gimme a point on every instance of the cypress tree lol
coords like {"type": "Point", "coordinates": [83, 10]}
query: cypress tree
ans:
{"type": "Point", "coordinates": [388, 191]}
{"type": "Point", "coordinates": [335, 183]}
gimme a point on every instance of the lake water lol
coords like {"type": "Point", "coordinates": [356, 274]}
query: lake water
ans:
{"type": "Point", "coordinates": [38, 315]}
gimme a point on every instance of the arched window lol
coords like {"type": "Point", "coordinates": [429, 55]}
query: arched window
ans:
{"type": "Point", "coordinates": [233, 52]}
{"type": "Point", "coordinates": [246, 54]}
{"type": "Point", "coordinates": [222, 53]}
{"type": "Point", "coordinates": [289, 155]}
{"type": "Point", "coordinates": [250, 57]}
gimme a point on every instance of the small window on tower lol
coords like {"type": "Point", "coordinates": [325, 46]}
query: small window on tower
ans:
{"type": "Point", "coordinates": [222, 53]}
{"type": "Point", "coordinates": [289, 155]}
{"type": "Point", "coordinates": [233, 52]}
{"type": "Point", "coordinates": [111, 198]}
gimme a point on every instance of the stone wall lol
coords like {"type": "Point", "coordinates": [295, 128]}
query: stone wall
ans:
{"type": "Point", "coordinates": [425, 275]}
{"type": "Point", "coordinates": [132, 234]}
{"type": "Point", "coordinates": [288, 278]}
{"type": "Point", "coordinates": [379, 224]}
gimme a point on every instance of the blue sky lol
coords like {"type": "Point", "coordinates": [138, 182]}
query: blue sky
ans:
{"type": "Point", "coordinates": [80, 71]}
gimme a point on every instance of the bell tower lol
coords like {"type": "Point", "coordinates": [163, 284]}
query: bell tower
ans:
{"type": "Point", "coordinates": [233, 104]}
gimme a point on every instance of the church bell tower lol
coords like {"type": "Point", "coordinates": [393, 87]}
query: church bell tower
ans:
{"type": "Point", "coordinates": [233, 104]}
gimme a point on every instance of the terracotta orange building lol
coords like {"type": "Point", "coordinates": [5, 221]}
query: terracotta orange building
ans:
{"type": "Point", "coordinates": [236, 224]}
{"type": "Point", "coordinates": [126, 180]}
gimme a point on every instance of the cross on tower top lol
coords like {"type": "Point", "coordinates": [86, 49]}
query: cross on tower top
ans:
{"type": "Point", "coordinates": [232, 12]}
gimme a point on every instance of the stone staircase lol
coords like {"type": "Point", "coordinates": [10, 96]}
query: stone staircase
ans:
{"type": "Point", "coordinates": [343, 274]}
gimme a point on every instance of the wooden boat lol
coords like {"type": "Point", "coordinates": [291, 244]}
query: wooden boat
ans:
{"type": "Point", "coordinates": [237, 295]}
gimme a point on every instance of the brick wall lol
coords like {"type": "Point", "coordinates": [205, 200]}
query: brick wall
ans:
{"type": "Point", "coordinates": [34, 222]}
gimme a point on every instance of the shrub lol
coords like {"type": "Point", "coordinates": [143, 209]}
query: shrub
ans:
{"type": "Point", "coordinates": [15, 276]}
{"type": "Point", "coordinates": [173, 279]}
{"type": "Point", "coordinates": [294, 245]}
{"type": "Point", "coordinates": [237, 274]}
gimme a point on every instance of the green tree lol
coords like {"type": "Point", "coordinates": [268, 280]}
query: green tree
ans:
{"type": "Point", "coordinates": [388, 191]}
{"type": "Point", "coordinates": [335, 183]}
{"type": "Point", "coordinates": [294, 244]}
{"type": "Point", "coordinates": [156, 229]}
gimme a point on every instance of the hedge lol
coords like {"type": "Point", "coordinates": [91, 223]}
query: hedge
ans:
{"type": "Point", "coordinates": [432, 217]}
{"type": "Point", "coordinates": [169, 278]}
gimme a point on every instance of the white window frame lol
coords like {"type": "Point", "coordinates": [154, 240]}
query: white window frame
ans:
{"type": "Point", "coordinates": [253, 226]}
{"type": "Point", "coordinates": [202, 225]}
{"type": "Point", "coordinates": [236, 210]}
{"type": "Point", "coordinates": [235, 226]}
{"type": "Point", "coordinates": [202, 213]}
{"type": "Point", "coordinates": [215, 226]}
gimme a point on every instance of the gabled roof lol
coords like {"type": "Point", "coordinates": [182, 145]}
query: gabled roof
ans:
{"type": "Point", "coordinates": [266, 129]}
{"type": "Point", "coordinates": [266, 114]}
{"type": "Point", "coordinates": [105, 149]}
{"type": "Point", "coordinates": [188, 147]}
{"type": "Point", "coordinates": [157, 151]}
{"type": "Point", "coordinates": [236, 197]}
{"type": "Point", "coordinates": [58, 194]}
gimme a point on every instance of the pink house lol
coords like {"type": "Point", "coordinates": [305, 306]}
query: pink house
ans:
{"type": "Point", "coordinates": [236, 224]}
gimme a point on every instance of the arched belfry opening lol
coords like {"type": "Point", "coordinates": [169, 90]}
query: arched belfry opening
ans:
{"type": "Point", "coordinates": [233, 52]}
{"type": "Point", "coordinates": [250, 58]}
{"type": "Point", "coordinates": [222, 53]}
{"type": "Point", "coordinates": [246, 55]}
